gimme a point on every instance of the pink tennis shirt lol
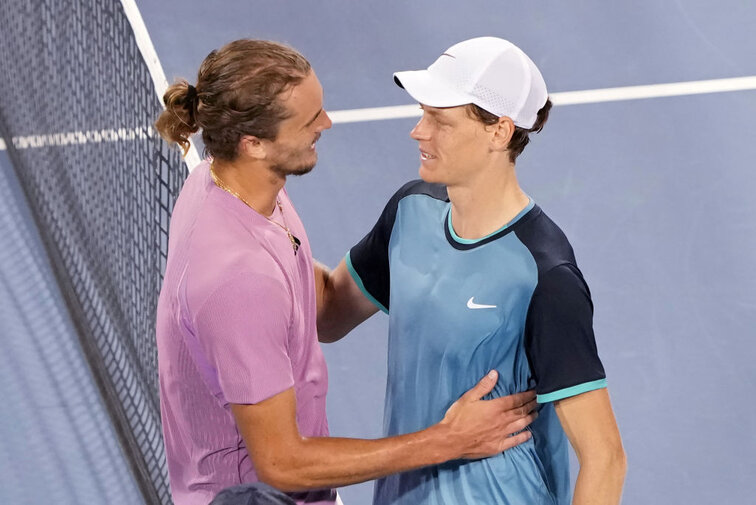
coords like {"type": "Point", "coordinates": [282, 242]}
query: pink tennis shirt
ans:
{"type": "Point", "coordinates": [235, 324]}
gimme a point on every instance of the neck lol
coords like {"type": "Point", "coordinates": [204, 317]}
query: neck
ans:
{"type": "Point", "coordinates": [257, 185]}
{"type": "Point", "coordinates": [485, 203]}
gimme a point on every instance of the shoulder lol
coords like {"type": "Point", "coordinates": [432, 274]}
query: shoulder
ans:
{"type": "Point", "coordinates": [545, 240]}
{"type": "Point", "coordinates": [412, 188]}
{"type": "Point", "coordinates": [245, 296]}
{"type": "Point", "coordinates": [420, 187]}
{"type": "Point", "coordinates": [562, 278]}
{"type": "Point", "coordinates": [225, 257]}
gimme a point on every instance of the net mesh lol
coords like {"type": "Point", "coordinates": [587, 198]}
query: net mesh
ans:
{"type": "Point", "coordinates": [76, 105]}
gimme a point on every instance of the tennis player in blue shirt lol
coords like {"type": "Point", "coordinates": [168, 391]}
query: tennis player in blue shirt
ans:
{"type": "Point", "coordinates": [475, 276]}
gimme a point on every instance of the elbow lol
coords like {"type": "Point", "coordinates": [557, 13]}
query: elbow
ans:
{"type": "Point", "coordinates": [329, 337]}
{"type": "Point", "coordinates": [281, 480]}
{"type": "Point", "coordinates": [617, 458]}
{"type": "Point", "coordinates": [285, 476]}
{"type": "Point", "coordinates": [326, 337]}
{"type": "Point", "coordinates": [621, 464]}
{"type": "Point", "coordinates": [324, 329]}
{"type": "Point", "coordinates": [618, 468]}
{"type": "Point", "coordinates": [283, 485]}
{"type": "Point", "coordinates": [328, 331]}
{"type": "Point", "coordinates": [610, 461]}
{"type": "Point", "coordinates": [616, 462]}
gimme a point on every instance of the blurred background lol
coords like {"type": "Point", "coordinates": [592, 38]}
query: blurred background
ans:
{"type": "Point", "coordinates": [653, 185]}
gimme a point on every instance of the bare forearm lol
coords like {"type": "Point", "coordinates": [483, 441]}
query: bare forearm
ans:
{"type": "Point", "coordinates": [600, 480]}
{"type": "Point", "coordinates": [471, 428]}
{"type": "Point", "coordinates": [332, 462]}
{"type": "Point", "coordinates": [330, 317]}
{"type": "Point", "coordinates": [322, 273]}
{"type": "Point", "coordinates": [588, 420]}
{"type": "Point", "coordinates": [341, 304]}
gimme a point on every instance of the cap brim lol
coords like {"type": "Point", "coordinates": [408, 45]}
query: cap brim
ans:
{"type": "Point", "coordinates": [429, 90]}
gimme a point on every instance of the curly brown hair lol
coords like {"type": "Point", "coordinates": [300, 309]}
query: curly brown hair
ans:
{"type": "Point", "coordinates": [236, 94]}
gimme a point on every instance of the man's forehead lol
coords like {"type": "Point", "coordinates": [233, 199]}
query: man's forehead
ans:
{"type": "Point", "coordinates": [306, 97]}
{"type": "Point", "coordinates": [443, 111]}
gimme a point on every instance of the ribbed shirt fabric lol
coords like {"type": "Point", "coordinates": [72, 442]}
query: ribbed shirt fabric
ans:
{"type": "Point", "coordinates": [235, 324]}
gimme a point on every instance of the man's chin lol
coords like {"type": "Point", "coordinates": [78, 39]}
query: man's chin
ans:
{"type": "Point", "coordinates": [302, 170]}
{"type": "Point", "coordinates": [427, 175]}
{"type": "Point", "coordinates": [296, 171]}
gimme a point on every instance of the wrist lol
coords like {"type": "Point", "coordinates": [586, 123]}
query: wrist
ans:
{"type": "Point", "coordinates": [442, 443]}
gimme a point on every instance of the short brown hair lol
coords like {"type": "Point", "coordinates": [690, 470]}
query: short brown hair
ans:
{"type": "Point", "coordinates": [520, 137]}
{"type": "Point", "coordinates": [236, 94]}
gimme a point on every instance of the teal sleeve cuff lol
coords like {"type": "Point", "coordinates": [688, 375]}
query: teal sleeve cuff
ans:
{"type": "Point", "coordinates": [571, 391]}
{"type": "Point", "coordinates": [360, 285]}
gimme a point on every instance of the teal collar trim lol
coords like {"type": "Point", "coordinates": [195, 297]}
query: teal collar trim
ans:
{"type": "Point", "coordinates": [468, 241]}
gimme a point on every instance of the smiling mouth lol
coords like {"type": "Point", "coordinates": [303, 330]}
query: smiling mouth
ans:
{"type": "Point", "coordinates": [425, 156]}
{"type": "Point", "coordinates": [312, 146]}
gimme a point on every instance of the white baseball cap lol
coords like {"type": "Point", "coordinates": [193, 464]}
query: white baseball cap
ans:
{"type": "Point", "coordinates": [490, 72]}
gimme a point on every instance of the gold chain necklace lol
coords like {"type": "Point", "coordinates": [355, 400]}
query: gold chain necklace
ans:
{"type": "Point", "coordinates": [295, 243]}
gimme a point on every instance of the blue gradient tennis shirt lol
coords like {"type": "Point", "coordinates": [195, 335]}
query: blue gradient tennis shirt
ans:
{"type": "Point", "coordinates": [514, 301]}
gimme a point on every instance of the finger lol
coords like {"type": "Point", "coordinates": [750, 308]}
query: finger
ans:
{"type": "Point", "coordinates": [530, 406]}
{"type": "Point", "coordinates": [517, 399]}
{"type": "Point", "coordinates": [505, 405]}
{"type": "Point", "coordinates": [520, 424]}
{"type": "Point", "coordinates": [514, 440]}
{"type": "Point", "coordinates": [483, 387]}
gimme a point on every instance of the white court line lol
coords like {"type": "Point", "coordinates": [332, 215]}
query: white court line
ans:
{"type": "Point", "coordinates": [655, 91]}
{"type": "Point", "coordinates": [144, 42]}
{"type": "Point", "coordinates": [572, 97]}
{"type": "Point", "coordinates": [81, 137]}
{"type": "Point", "coordinates": [406, 111]}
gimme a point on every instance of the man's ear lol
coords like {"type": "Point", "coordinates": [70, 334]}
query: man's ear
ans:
{"type": "Point", "coordinates": [503, 131]}
{"type": "Point", "coordinates": [253, 147]}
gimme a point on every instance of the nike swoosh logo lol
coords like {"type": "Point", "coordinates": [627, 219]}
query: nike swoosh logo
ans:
{"type": "Point", "coordinates": [472, 305]}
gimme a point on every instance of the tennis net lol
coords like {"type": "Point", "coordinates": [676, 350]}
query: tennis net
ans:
{"type": "Point", "coordinates": [77, 101]}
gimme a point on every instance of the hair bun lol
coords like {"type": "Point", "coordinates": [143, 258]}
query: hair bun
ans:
{"type": "Point", "coordinates": [177, 122]}
{"type": "Point", "coordinates": [191, 97]}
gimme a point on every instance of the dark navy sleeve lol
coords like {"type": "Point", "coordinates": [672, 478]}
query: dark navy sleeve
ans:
{"type": "Point", "coordinates": [368, 261]}
{"type": "Point", "coordinates": [559, 336]}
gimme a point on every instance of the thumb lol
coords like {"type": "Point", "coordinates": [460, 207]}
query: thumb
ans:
{"type": "Point", "coordinates": [483, 387]}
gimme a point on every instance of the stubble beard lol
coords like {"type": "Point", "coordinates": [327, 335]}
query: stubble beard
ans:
{"type": "Point", "coordinates": [285, 170]}
{"type": "Point", "coordinates": [288, 166]}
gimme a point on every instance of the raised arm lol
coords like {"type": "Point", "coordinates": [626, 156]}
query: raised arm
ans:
{"type": "Point", "coordinates": [590, 426]}
{"type": "Point", "coordinates": [471, 428]}
{"type": "Point", "coordinates": [341, 304]}
{"type": "Point", "coordinates": [359, 285]}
